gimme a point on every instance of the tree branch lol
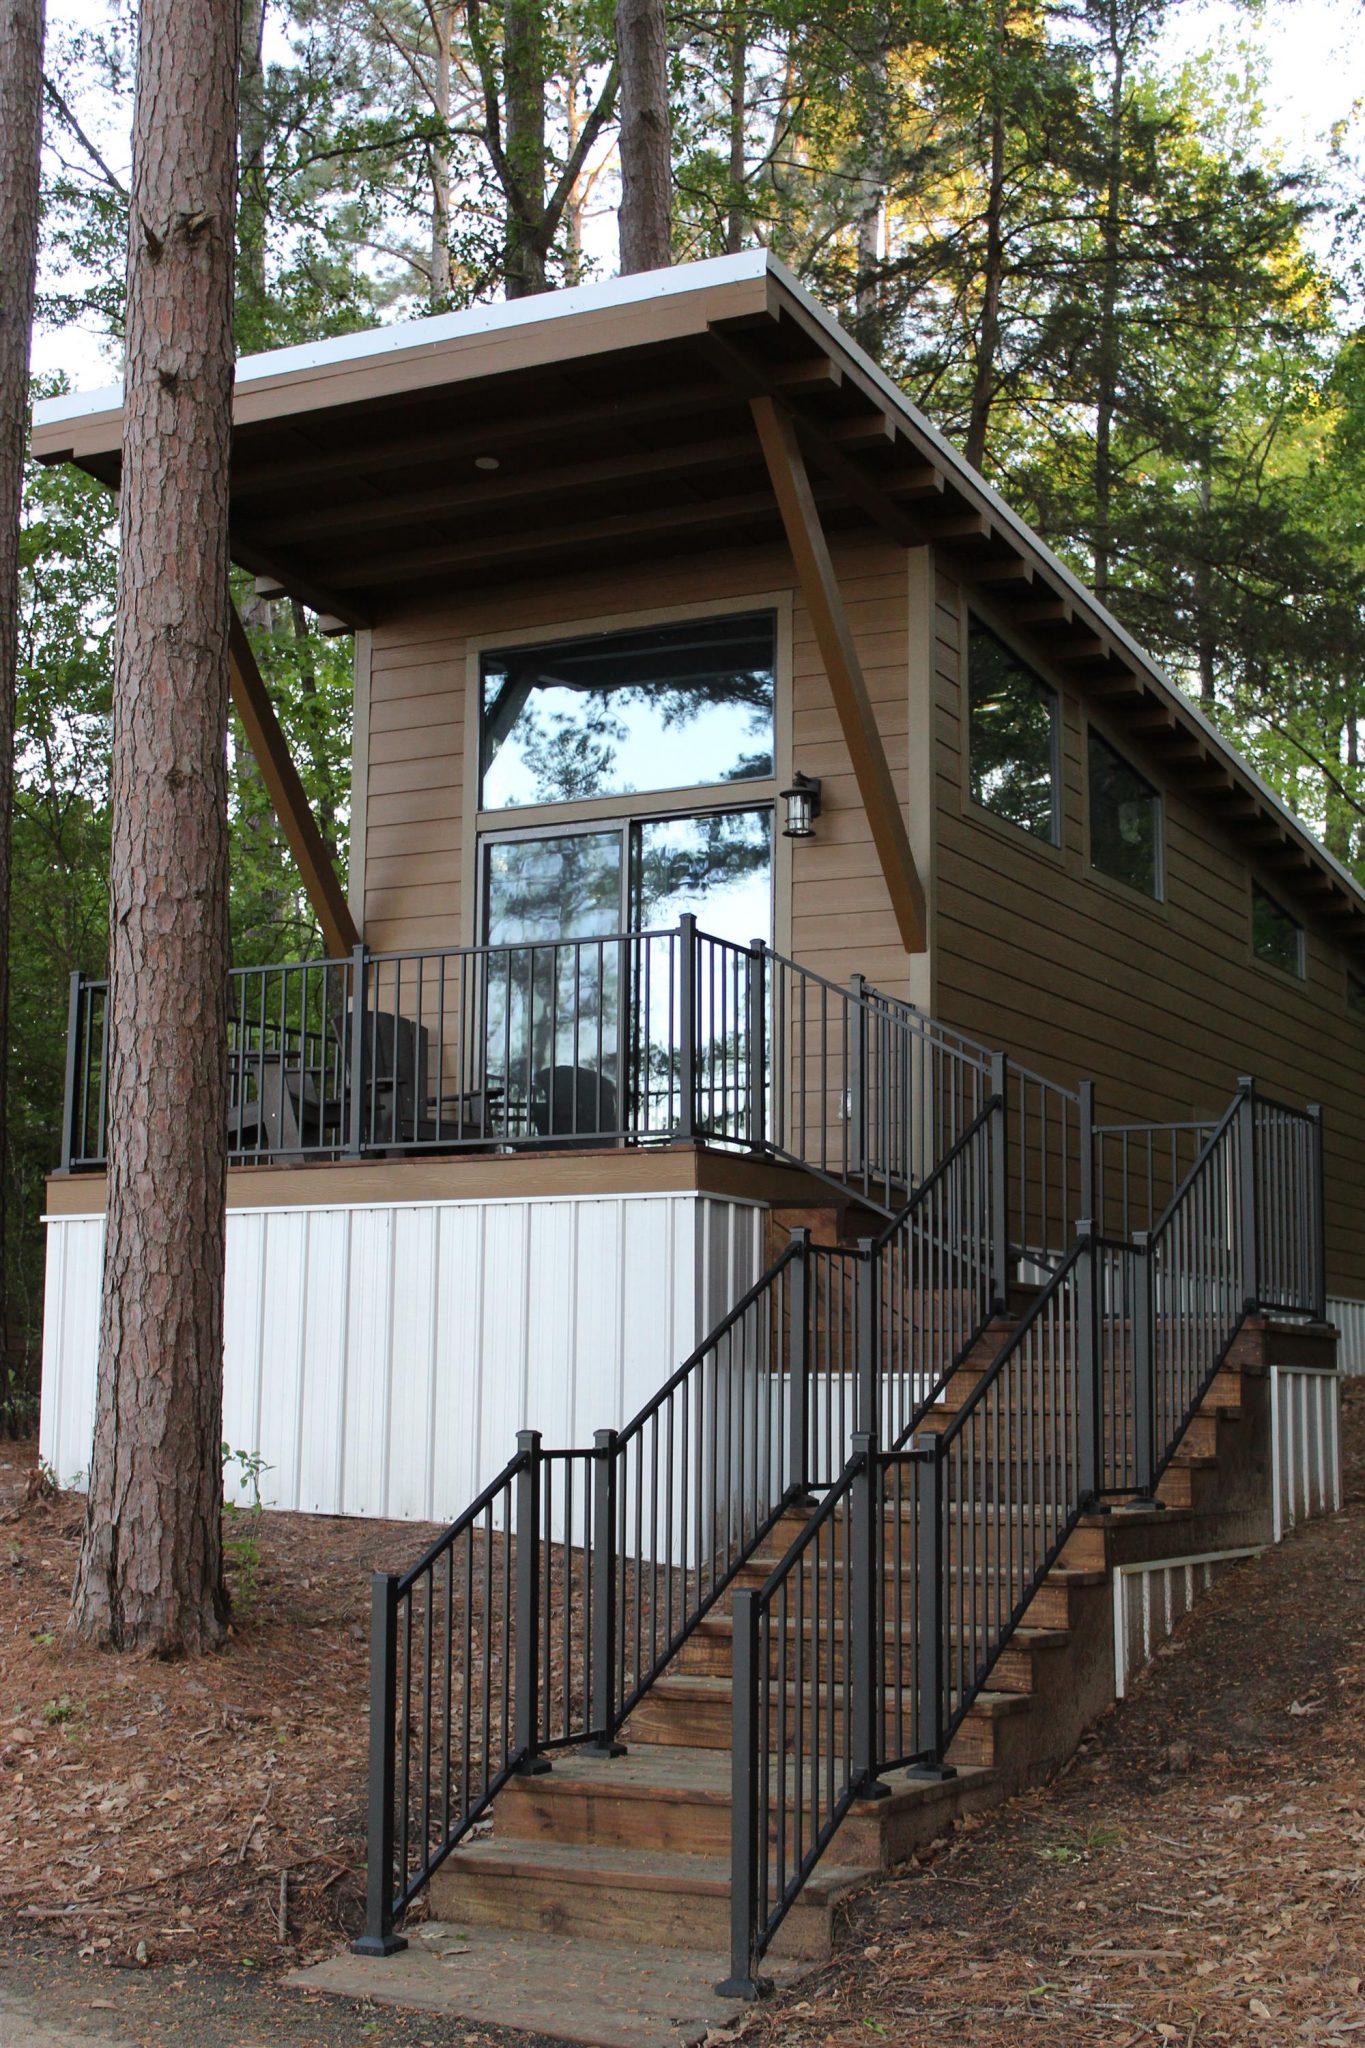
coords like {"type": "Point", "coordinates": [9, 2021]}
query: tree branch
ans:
{"type": "Point", "coordinates": [65, 115]}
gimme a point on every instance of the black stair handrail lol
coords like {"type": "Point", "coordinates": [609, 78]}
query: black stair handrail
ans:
{"type": "Point", "coordinates": [654, 1524]}
{"type": "Point", "coordinates": [953, 1540]}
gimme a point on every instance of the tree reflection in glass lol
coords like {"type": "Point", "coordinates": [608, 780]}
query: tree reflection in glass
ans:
{"type": "Point", "coordinates": [553, 996]}
{"type": "Point", "coordinates": [662, 707]}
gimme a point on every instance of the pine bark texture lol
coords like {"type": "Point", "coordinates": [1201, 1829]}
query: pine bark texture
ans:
{"type": "Point", "coordinates": [21, 124]}
{"type": "Point", "coordinates": [646, 218]}
{"type": "Point", "coordinates": [150, 1574]}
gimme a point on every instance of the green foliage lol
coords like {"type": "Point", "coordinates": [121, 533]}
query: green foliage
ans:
{"type": "Point", "coordinates": [1085, 264]}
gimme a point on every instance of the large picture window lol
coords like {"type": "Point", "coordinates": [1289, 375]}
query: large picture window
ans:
{"type": "Point", "coordinates": [659, 707]}
{"type": "Point", "coordinates": [1012, 717]}
{"type": "Point", "coordinates": [1125, 820]}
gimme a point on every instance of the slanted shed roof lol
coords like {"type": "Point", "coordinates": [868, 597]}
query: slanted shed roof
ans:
{"type": "Point", "coordinates": [617, 416]}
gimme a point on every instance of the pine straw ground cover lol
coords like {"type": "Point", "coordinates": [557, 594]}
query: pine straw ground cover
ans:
{"type": "Point", "coordinates": [215, 1810]}
{"type": "Point", "coordinates": [1196, 1876]}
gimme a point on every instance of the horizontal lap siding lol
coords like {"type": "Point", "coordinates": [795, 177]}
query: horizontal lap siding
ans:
{"type": "Point", "coordinates": [415, 789]}
{"type": "Point", "coordinates": [1163, 1005]}
{"type": "Point", "coordinates": [842, 922]}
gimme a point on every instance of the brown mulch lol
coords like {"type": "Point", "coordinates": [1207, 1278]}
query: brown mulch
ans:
{"type": "Point", "coordinates": [1196, 1875]}
{"type": "Point", "coordinates": [210, 1810]}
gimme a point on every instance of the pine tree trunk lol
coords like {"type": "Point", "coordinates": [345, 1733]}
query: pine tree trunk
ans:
{"type": "Point", "coordinates": [1107, 340]}
{"type": "Point", "coordinates": [150, 1573]}
{"type": "Point", "coordinates": [21, 124]}
{"type": "Point", "coordinates": [988, 333]}
{"type": "Point", "coordinates": [524, 69]}
{"type": "Point", "coordinates": [646, 218]}
{"type": "Point", "coordinates": [739, 125]}
{"type": "Point", "coordinates": [443, 22]}
{"type": "Point", "coordinates": [251, 211]}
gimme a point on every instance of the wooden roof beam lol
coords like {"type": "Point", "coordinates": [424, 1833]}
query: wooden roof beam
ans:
{"type": "Point", "coordinates": [756, 380]}
{"type": "Point", "coordinates": [383, 514]}
{"type": "Point", "coordinates": [286, 792]}
{"type": "Point", "coordinates": [1045, 611]}
{"type": "Point", "coordinates": [325, 599]}
{"type": "Point", "coordinates": [824, 601]}
{"type": "Point", "coordinates": [1017, 570]}
{"type": "Point", "coordinates": [1120, 683]}
{"type": "Point", "coordinates": [450, 445]}
{"type": "Point", "coordinates": [483, 551]}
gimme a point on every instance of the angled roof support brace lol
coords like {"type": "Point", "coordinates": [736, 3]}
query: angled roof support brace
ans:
{"type": "Point", "coordinates": [824, 600]}
{"type": "Point", "coordinates": [287, 794]}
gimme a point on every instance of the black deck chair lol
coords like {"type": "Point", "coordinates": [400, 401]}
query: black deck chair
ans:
{"type": "Point", "coordinates": [572, 1103]}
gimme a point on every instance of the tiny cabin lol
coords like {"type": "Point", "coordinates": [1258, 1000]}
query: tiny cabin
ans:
{"type": "Point", "coordinates": [743, 798]}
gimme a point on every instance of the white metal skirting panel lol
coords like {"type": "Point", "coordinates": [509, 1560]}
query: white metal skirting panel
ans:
{"type": "Point", "coordinates": [1151, 1598]}
{"type": "Point", "coordinates": [1305, 1446]}
{"type": "Point", "coordinates": [380, 1359]}
{"type": "Point", "coordinates": [1349, 1317]}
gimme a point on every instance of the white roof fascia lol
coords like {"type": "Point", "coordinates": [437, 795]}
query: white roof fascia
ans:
{"type": "Point", "coordinates": [501, 317]}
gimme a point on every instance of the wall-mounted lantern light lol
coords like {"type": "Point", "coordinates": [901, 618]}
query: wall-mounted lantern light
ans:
{"type": "Point", "coordinates": [803, 806]}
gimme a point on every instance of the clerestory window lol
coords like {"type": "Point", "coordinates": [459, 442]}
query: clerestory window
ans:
{"type": "Point", "coordinates": [1012, 718]}
{"type": "Point", "coordinates": [1125, 820]}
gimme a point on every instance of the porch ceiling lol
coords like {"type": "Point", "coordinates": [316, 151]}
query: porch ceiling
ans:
{"type": "Point", "coordinates": [619, 419]}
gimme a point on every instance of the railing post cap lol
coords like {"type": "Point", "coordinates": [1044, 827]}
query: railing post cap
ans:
{"type": "Point", "coordinates": [800, 1234]}
{"type": "Point", "coordinates": [528, 1439]}
{"type": "Point", "coordinates": [862, 1442]}
{"type": "Point", "coordinates": [605, 1439]}
{"type": "Point", "coordinates": [1141, 1240]}
{"type": "Point", "coordinates": [1086, 1229]}
{"type": "Point", "coordinates": [1246, 1083]}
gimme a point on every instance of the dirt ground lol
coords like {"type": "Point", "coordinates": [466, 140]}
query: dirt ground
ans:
{"type": "Point", "coordinates": [177, 1835]}
{"type": "Point", "coordinates": [210, 1811]}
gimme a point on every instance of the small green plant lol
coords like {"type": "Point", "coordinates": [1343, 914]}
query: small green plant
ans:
{"type": "Point", "coordinates": [243, 1553]}
{"type": "Point", "coordinates": [44, 1637]}
{"type": "Point", "coordinates": [251, 1465]}
{"type": "Point", "coordinates": [61, 1710]}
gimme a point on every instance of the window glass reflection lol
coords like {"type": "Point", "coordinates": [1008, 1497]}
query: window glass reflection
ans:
{"type": "Point", "coordinates": [666, 707]}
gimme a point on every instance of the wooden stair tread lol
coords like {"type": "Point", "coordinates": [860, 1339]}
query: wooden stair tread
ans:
{"type": "Point", "coordinates": [662, 1870]}
{"type": "Point", "coordinates": [1028, 1638]}
{"type": "Point", "coordinates": [673, 1771]}
{"type": "Point", "coordinates": [703, 1689]}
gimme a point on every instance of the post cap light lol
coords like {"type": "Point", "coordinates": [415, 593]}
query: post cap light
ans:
{"type": "Point", "coordinates": [803, 806]}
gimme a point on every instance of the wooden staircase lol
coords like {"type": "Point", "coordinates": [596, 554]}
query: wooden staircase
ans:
{"type": "Point", "coordinates": [636, 1848]}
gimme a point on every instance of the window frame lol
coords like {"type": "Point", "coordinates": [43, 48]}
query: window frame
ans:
{"type": "Point", "coordinates": [691, 800]}
{"type": "Point", "coordinates": [1131, 891]}
{"type": "Point", "coordinates": [673, 797]}
{"type": "Point", "coordinates": [1297, 974]}
{"type": "Point", "coordinates": [1055, 843]}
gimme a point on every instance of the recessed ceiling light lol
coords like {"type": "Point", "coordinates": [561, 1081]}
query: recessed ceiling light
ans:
{"type": "Point", "coordinates": [486, 462]}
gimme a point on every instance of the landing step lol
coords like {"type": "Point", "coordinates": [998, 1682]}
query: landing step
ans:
{"type": "Point", "coordinates": [601, 1994]}
{"type": "Point", "coordinates": [621, 1895]}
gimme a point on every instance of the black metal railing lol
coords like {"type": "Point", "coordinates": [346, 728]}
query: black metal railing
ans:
{"type": "Point", "coordinates": [929, 1555]}
{"type": "Point", "coordinates": [639, 1038]}
{"type": "Point", "coordinates": [613, 1555]}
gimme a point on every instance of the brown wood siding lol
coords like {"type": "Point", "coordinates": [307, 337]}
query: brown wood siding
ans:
{"type": "Point", "coordinates": [1162, 1004]}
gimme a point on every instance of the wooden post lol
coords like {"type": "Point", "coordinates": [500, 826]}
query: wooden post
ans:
{"type": "Point", "coordinates": [824, 600]}
{"type": "Point", "coordinates": [281, 778]}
